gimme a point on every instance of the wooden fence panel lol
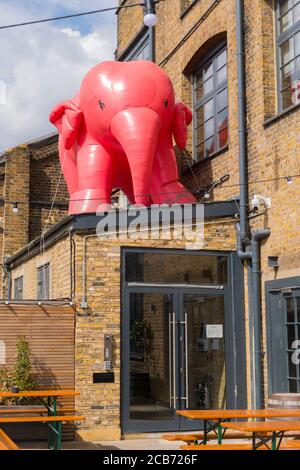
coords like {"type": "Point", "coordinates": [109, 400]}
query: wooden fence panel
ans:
{"type": "Point", "coordinates": [50, 330]}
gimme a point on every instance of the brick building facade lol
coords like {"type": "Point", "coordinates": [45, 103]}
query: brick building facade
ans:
{"type": "Point", "coordinates": [196, 43]}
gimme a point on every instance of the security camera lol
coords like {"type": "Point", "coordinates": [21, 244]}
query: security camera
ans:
{"type": "Point", "coordinates": [259, 200]}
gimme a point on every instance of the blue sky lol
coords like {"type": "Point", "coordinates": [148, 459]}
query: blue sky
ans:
{"type": "Point", "coordinates": [43, 64]}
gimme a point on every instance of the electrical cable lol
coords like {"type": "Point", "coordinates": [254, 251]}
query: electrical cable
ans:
{"type": "Point", "coordinates": [235, 185]}
{"type": "Point", "coordinates": [75, 15]}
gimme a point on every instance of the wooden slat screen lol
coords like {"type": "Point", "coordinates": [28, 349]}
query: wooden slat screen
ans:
{"type": "Point", "coordinates": [50, 330]}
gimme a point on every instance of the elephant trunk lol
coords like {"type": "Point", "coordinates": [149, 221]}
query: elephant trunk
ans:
{"type": "Point", "coordinates": [137, 130]}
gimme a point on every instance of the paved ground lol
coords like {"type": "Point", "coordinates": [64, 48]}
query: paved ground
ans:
{"type": "Point", "coordinates": [127, 444]}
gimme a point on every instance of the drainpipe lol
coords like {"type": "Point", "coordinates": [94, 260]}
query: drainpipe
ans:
{"type": "Point", "coordinates": [7, 272]}
{"type": "Point", "coordinates": [242, 131]}
{"type": "Point", "coordinates": [257, 238]}
{"type": "Point", "coordinates": [252, 257]}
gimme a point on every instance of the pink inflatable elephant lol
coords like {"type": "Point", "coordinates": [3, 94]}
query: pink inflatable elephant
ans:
{"type": "Point", "coordinates": [117, 133]}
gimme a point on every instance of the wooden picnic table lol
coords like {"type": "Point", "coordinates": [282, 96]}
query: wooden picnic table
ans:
{"type": "Point", "coordinates": [213, 419]}
{"type": "Point", "coordinates": [260, 430]}
{"type": "Point", "coordinates": [48, 398]}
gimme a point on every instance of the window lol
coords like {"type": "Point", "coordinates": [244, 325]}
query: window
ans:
{"type": "Point", "coordinates": [293, 335]}
{"type": "Point", "coordinates": [18, 293]}
{"type": "Point", "coordinates": [288, 42]}
{"type": "Point", "coordinates": [43, 282]}
{"type": "Point", "coordinates": [210, 103]}
{"type": "Point", "coordinates": [175, 268]}
{"type": "Point", "coordinates": [141, 50]}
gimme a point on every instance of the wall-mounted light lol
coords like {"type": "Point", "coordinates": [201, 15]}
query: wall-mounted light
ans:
{"type": "Point", "coordinates": [289, 180]}
{"type": "Point", "coordinates": [150, 18]}
{"type": "Point", "coordinates": [15, 208]}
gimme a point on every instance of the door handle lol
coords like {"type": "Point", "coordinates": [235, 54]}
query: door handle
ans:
{"type": "Point", "coordinates": [186, 354]}
{"type": "Point", "coordinates": [172, 359]}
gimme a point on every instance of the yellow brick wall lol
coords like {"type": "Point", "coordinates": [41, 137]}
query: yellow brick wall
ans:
{"type": "Point", "coordinates": [100, 403]}
{"type": "Point", "coordinates": [59, 258]}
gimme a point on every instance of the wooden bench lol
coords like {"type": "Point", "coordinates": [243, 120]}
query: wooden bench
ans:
{"type": "Point", "coordinates": [295, 444]}
{"type": "Point", "coordinates": [40, 419]}
{"type": "Point", "coordinates": [219, 447]}
{"type": "Point", "coordinates": [6, 443]}
{"type": "Point", "coordinates": [199, 436]}
{"type": "Point", "coordinates": [188, 438]}
{"type": "Point", "coordinates": [35, 411]}
{"type": "Point", "coordinates": [54, 423]}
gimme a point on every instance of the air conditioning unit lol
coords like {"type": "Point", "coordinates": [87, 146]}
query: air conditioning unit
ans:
{"type": "Point", "coordinates": [295, 90]}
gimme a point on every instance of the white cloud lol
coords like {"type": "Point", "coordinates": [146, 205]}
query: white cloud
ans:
{"type": "Point", "coordinates": [40, 66]}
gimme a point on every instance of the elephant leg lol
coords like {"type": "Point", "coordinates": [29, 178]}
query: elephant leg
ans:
{"type": "Point", "coordinates": [165, 186]}
{"type": "Point", "coordinates": [137, 130]}
{"type": "Point", "coordinates": [95, 168]}
{"type": "Point", "coordinates": [68, 163]}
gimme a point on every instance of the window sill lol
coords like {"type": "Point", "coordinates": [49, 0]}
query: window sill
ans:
{"type": "Point", "coordinates": [281, 115]}
{"type": "Point", "coordinates": [188, 9]}
{"type": "Point", "coordinates": [207, 159]}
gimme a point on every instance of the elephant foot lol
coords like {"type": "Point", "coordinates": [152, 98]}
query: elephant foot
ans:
{"type": "Point", "coordinates": [89, 201]}
{"type": "Point", "coordinates": [173, 193]}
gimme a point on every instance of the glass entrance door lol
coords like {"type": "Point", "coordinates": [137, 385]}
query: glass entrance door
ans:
{"type": "Point", "coordinates": [203, 361]}
{"type": "Point", "coordinates": [151, 360]}
{"type": "Point", "coordinates": [174, 356]}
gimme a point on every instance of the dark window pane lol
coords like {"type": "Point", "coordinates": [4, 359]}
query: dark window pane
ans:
{"type": "Point", "coordinates": [286, 21]}
{"type": "Point", "coordinates": [296, 13]}
{"type": "Point", "coordinates": [298, 312]}
{"type": "Point", "coordinates": [199, 116]}
{"type": "Point", "coordinates": [208, 109]}
{"type": "Point", "coordinates": [287, 75]}
{"type": "Point", "coordinates": [221, 59]}
{"type": "Point", "coordinates": [18, 291]}
{"type": "Point", "coordinates": [223, 138]}
{"type": "Point", "coordinates": [287, 99]}
{"type": "Point", "coordinates": [173, 268]}
{"type": "Point", "coordinates": [204, 113]}
{"type": "Point", "coordinates": [292, 366]}
{"type": "Point", "coordinates": [199, 91]}
{"type": "Point", "coordinates": [290, 318]}
{"type": "Point", "coordinates": [222, 119]}
{"type": "Point", "coordinates": [43, 282]}
{"type": "Point", "coordinates": [222, 75]}
{"type": "Point", "coordinates": [209, 147]}
{"type": "Point", "coordinates": [291, 335]}
{"type": "Point", "coordinates": [284, 6]}
{"type": "Point", "coordinates": [208, 86]}
{"type": "Point", "coordinates": [207, 71]}
{"type": "Point", "coordinates": [209, 128]}
{"type": "Point", "coordinates": [292, 386]}
{"type": "Point", "coordinates": [222, 100]}
{"type": "Point", "coordinates": [297, 44]}
{"type": "Point", "coordinates": [287, 51]}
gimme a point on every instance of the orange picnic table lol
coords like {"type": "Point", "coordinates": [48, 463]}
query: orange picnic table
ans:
{"type": "Point", "coordinates": [213, 420]}
{"type": "Point", "coordinates": [48, 398]}
{"type": "Point", "coordinates": [260, 430]}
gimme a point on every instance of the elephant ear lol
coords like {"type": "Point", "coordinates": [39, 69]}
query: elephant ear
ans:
{"type": "Point", "coordinates": [67, 117]}
{"type": "Point", "coordinates": [181, 120]}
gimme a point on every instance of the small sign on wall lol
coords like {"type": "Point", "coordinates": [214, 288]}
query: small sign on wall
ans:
{"type": "Point", "coordinates": [214, 331]}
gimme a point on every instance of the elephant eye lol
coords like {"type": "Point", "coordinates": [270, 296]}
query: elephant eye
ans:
{"type": "Point", "coordinates": [102, 105]}
{"type": "Point", "coordinates": [166, 102]}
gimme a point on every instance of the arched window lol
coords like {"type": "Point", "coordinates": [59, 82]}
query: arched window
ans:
{"type": "Point", "coordinates": [210, 104]}
{"type": "Point", "coordinates": [288, 45]}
